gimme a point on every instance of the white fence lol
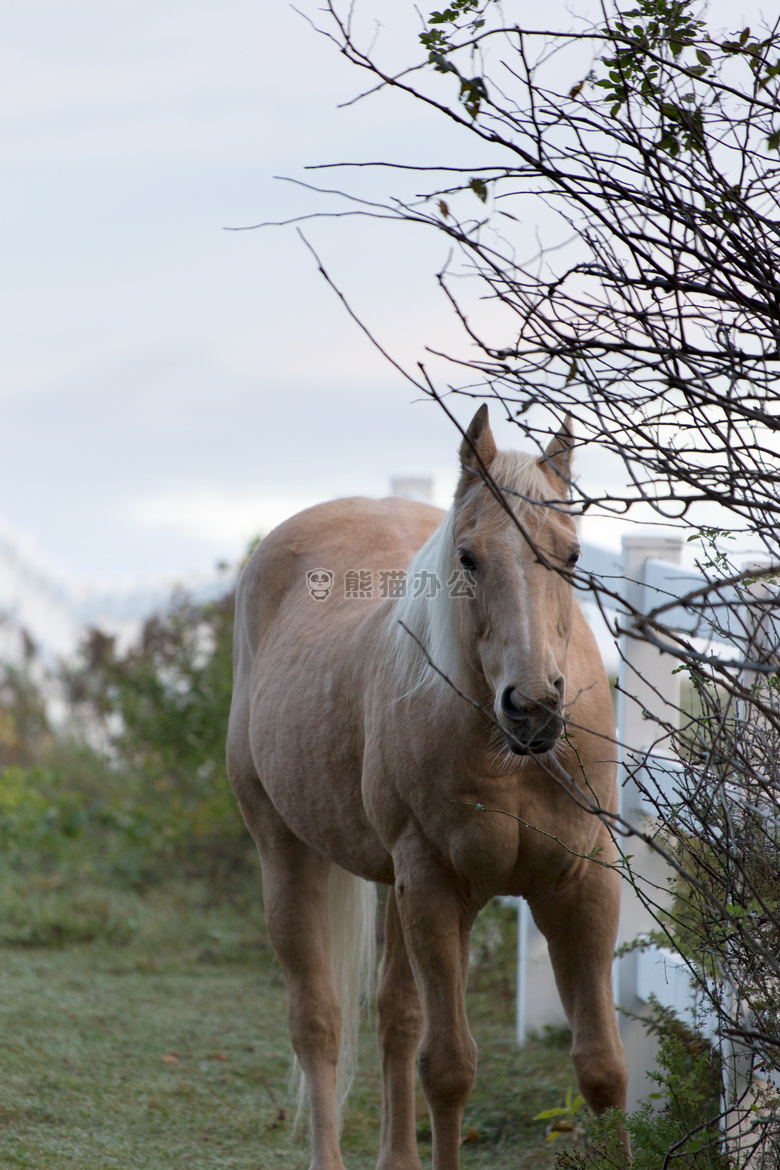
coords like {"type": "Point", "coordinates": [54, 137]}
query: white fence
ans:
{"type": "Point", "coordinates": [54, 610]}
{"type": "Point", "coordinates": [647, 575]}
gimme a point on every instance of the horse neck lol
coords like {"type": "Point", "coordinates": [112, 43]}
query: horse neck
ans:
{"type": "Point", "coordinates": [423, 624]}
{"type": "Point", "coordinates": [436, 686]}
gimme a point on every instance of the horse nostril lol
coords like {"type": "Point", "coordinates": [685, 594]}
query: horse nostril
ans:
{"type": "Point", "coordinates": [509, 704]}
{"type": "Point", "coordinates": [560, 687]}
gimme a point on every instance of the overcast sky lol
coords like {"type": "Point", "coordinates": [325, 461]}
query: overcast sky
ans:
{"type": "Point", "coordinates": [170, 388]}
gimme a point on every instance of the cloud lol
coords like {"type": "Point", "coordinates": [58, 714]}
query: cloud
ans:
{"type": "Point", "coordinates": [169, 387]}
{"type": "Point", "coordinates": [218, 519]}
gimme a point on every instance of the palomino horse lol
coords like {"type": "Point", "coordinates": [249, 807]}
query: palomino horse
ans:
{"type": "Point", "coordinates": [365, 730]}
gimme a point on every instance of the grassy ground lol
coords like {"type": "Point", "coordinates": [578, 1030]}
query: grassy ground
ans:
{"type": "Point", "coordinates": [148, 1030]}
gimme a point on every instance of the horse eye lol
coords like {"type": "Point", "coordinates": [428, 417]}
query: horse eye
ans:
{"type": "Point", "coordinates": [572, 561]}
{"type": "Point", "coordinates": [466, 559]}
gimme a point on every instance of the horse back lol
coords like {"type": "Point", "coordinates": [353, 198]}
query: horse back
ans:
{"type": "Point", "coordinates": [341, 536]}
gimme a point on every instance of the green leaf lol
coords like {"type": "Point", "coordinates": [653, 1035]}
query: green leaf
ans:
{"type": "Point", "coordinates": [441, 63]}
{"type": "Point", "coordinates": [479, 189]}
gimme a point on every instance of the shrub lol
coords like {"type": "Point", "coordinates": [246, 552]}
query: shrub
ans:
{"type": "Point", "coordinates": [677, 1125]}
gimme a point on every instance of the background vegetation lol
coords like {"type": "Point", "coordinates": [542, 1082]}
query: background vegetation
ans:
{"type": "Point", "coordinates": [133, 954]}
{"type": "Point", "coordinates": [141, 1007]}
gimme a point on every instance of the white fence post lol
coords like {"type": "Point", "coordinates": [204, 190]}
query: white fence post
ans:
{"type": "Point", "coordinates": [648, 691]}
{"type": "Point", "coordinates": [538, 1002]}
{"type": "Point", "coordinates": [741, 1081]}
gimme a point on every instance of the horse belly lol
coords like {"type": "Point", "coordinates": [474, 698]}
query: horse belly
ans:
{"type": "Point", "coordinates": [310, 764]}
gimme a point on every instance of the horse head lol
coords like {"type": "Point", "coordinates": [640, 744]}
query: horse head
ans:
{"type": "Point", "coordinates": [515, 540]}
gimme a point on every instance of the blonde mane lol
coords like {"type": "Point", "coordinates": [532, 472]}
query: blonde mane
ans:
{"type": "Point", "coordinates": [432, 622]}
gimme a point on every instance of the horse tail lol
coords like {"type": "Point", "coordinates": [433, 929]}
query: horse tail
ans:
{"type": "Point", "coordinates": [352, 904]}
{"type": "Point", "coordinates": [352, 915]}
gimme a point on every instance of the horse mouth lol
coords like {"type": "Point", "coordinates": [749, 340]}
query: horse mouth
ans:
{"type": "Point", "coordinates": [525, 740]}
{"type": "Point", "coordinates": [533, 731]}
{"type": "Point", "coordinates": [537, 747]}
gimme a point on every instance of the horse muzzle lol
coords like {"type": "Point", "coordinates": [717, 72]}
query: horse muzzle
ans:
{"type": "Point", "coordinates": [533, 728]}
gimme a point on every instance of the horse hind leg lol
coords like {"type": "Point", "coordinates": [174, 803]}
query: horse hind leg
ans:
{"type": "Point", "coordinates": [295, 898]}
{"type": "Point", "coordinates": [400, 1029]}
{"type": "Point", "coordinates": [322, 923]}
{"type": "Point", "coordinates": [295, 894]}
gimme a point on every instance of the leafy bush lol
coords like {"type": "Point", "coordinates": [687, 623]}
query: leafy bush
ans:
{"type": "Point", "coordinates": [133, 787]}
{"type": "Point", "coordinates": [54, 911]}
{"type": "Point", "coordinates": [678, 1120]}
{"type": "Point", "coordinates": [36, 812]}
{"type": "Point", "coordinates": [494, 936]}
{"type": "Point", "coordinates": [160, 708]}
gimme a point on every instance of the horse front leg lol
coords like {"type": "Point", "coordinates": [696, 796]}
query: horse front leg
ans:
{"type": "Point", "coordinates": [580, 922]}
{"type": "Point", "coordinates": [400, 1028]}
{"type": "Point", "coordinates": [436, 919]}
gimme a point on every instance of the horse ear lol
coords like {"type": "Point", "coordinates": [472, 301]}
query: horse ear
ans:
{"type": "Point", "coordinates": [557, 459]}
{"type": "Point", "coordinates": [477, 449]}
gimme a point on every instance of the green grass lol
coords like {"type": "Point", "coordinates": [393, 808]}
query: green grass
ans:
{"type": "Point", "coordinates": [149, 1032]}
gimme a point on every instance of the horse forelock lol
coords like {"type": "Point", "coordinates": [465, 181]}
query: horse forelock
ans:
{"type": "Point", "coordinates": [526, 488]}
{"type": "Point", "coordinates": [432, 621]}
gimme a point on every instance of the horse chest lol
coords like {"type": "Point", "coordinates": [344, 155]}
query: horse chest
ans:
{"type": "Point", "coordinates": [407, 796]}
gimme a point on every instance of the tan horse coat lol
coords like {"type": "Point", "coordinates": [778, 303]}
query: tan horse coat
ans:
{"type": "Point", "coordinates": [345, 747]}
